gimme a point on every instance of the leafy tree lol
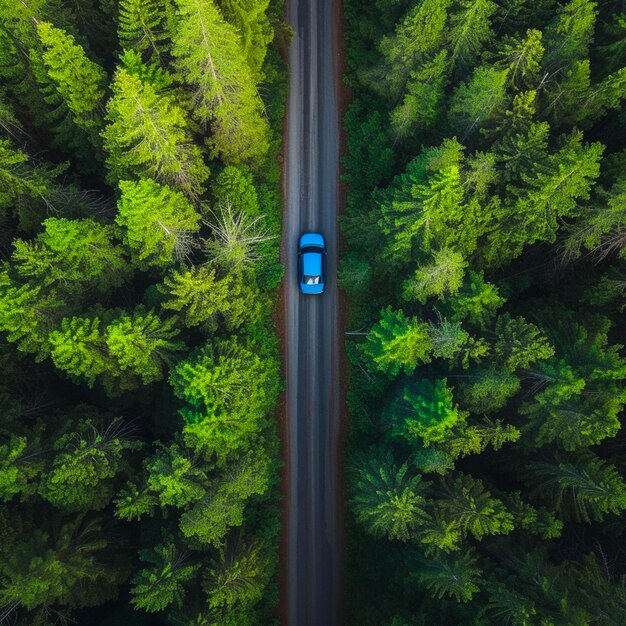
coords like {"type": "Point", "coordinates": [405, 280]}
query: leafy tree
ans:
{"type": "Point", "coordinates": [162, 583]}
{"type": "Point", "coordinates": [159, 222]}
{"type": "Point", "coordinates": [148, 135]}
{"type": "Point", "coordinates": [210, 60]}
{"type": "Point", "coordinates": [77, 80]}
{"type": "Point", "coordinates": [387, 500]}
{"type": "Point", "coordinates": [477, 301]}
{"type": "Point", "coordinates": [234, 186]}
{"type": "Point", "coordinates": [397, 343]}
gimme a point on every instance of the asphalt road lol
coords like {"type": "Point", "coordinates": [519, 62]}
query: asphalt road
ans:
{"type": "Point", "coordinates": [312, 341]}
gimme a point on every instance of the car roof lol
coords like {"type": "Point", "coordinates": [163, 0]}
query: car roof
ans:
{"type": "Point", "coordinates": [312, 263]}
{"type": "Point", "coordinates": [312, 239]}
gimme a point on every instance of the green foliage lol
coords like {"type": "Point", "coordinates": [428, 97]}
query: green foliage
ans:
{"type": "Point", "coordinates": [228, 389]}
{"type": "Point", "coordinates": [387, 499]}
{"type": "Point", "coordinates": [19, 467]}
{"type": "Point", "coordinates": [397, 343]}
{"type": "Point", "coordinates": [82, 473]}
{"type": "Point", "coordinates": [162, 583]}
{"type": "Point", "coordinates": [444, 276]}
{"type": "Point", "coordinates": [159, 222]}
{"type": "Point", "coordinates": [424, 411]}
{"type": "Point", "coordinates": [148, 136]}
{"type": "Point", "coordinates": [142, 26]}
{"type": "Point", "coordinates": [210, 60]}
{"type": "Point", "coordinates": [455, 576]}
{"type": "Point", "coordinates": [72, 255]}
{"type": "Point", "coordinates": [78, 81]}
{"type": "Point", "coordinates": [237, 576]}
{"type": "Point", "coordinates": [519, 343]}
{"type": "Point", "coordinates": [209, 519]}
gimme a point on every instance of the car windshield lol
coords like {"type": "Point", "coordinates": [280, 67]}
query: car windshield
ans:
{"type": "Point", "coordinates": [311, 280]}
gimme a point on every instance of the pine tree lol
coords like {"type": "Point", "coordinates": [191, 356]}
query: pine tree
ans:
{"type": "Point", "coordinates": [142, 344]}
{"type": "Point", "coordinates": [470, 30]}
{"type": "Point", "coordinates": [78, 348]}
{"type": "Point", "coordinates": [78, 81]}
{"type": "Point", "coordinates": [519, 343]}
{"type": "Point", "coordinates": [85, 465]}
{"type": "Point", "coordinates": [472, 509]}
{"type": "Point", "coordinates": [209, 519]}
{"type": "Point", "coordinates": [20, 466]}
{"type": "Point", "coordinates": [210, 60]}
{"type": "Point", "coordinates": [442, 277]}
{"type": "Point", "coordinates": [424, 411]}
{"type": "Point", "coordinates": [456, 576]}
{"type": "Point", "coordinates": [159, 222]}
{"type": "Point", "coordinates": [387, 500]}
{"type": "Point", "coordinates": [238, 575]}
{"type": "Point", "coordinates": [142, 27]}
{"type": "Point", "coordinates": [148, 136]}
{"type": "Point", "coordinates": [397, 343]}
{"type": "Point", "coordinates": [582, 487]}
{"type": "Point", "coordinates": [228, 389]}
{"type": "Point", "coordinates": [162, 582]}
{"type": "Point", "coordinates": [197, 295]}
{"type": "Point", "coordinates": [252, 23]}
{"type": "Point", "coordinates": [72, 255]}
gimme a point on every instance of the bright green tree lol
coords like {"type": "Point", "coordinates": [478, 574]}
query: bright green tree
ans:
{"type": "Point", "coordinates": [148, 135]}
{"type": "Point", "coordinates": [424, 412]}
{"type": "Point", "coordinates": [519, 343]}
{"type": "Point", "coordinates": [443, 276]}
{"type": "Point", "coordinates": [228, 389]}
{"type": "Point", "coordinates": [78, 348]}
{"type": "Point", "coordinates": [160, 223]}
{"type": "Point", "coordinates": [72, 255]}
{"type": "Point", "coordinates": [142, 344]}
{"type": "Point", "coordinates": [470, 30]}
{"type": "Point", "coordinates": [397, 343]}
{"type": "Point", "coordinates": [197, 295]}
{"type": "Point", "coordinates": [78, 81]}
{"type": "Point", "coordinates": [210, 60]}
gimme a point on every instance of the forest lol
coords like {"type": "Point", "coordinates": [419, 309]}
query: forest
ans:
{"type": "Point", "coordinates": [140, 217]}
{"type": "Point", "coordinates": [485, 270]}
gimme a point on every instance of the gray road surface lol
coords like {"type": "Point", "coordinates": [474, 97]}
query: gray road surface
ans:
{"type": "Point", "coordinates": [312, 341]}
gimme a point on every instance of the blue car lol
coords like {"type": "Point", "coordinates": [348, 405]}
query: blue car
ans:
{"type": "Point", "coordinates": [312, 263]}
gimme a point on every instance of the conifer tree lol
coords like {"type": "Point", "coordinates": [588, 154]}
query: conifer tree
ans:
{"type": "Point", "coordinates": [159, 222]}
{"type": "Point", "coordinates": [148, 135]}
{"type": "Point", "coordinates": [210, 60]}
{"type": "Point", "coordinates": [142, 27]}
{"type": "Point", "coordinates": [78, 81]}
